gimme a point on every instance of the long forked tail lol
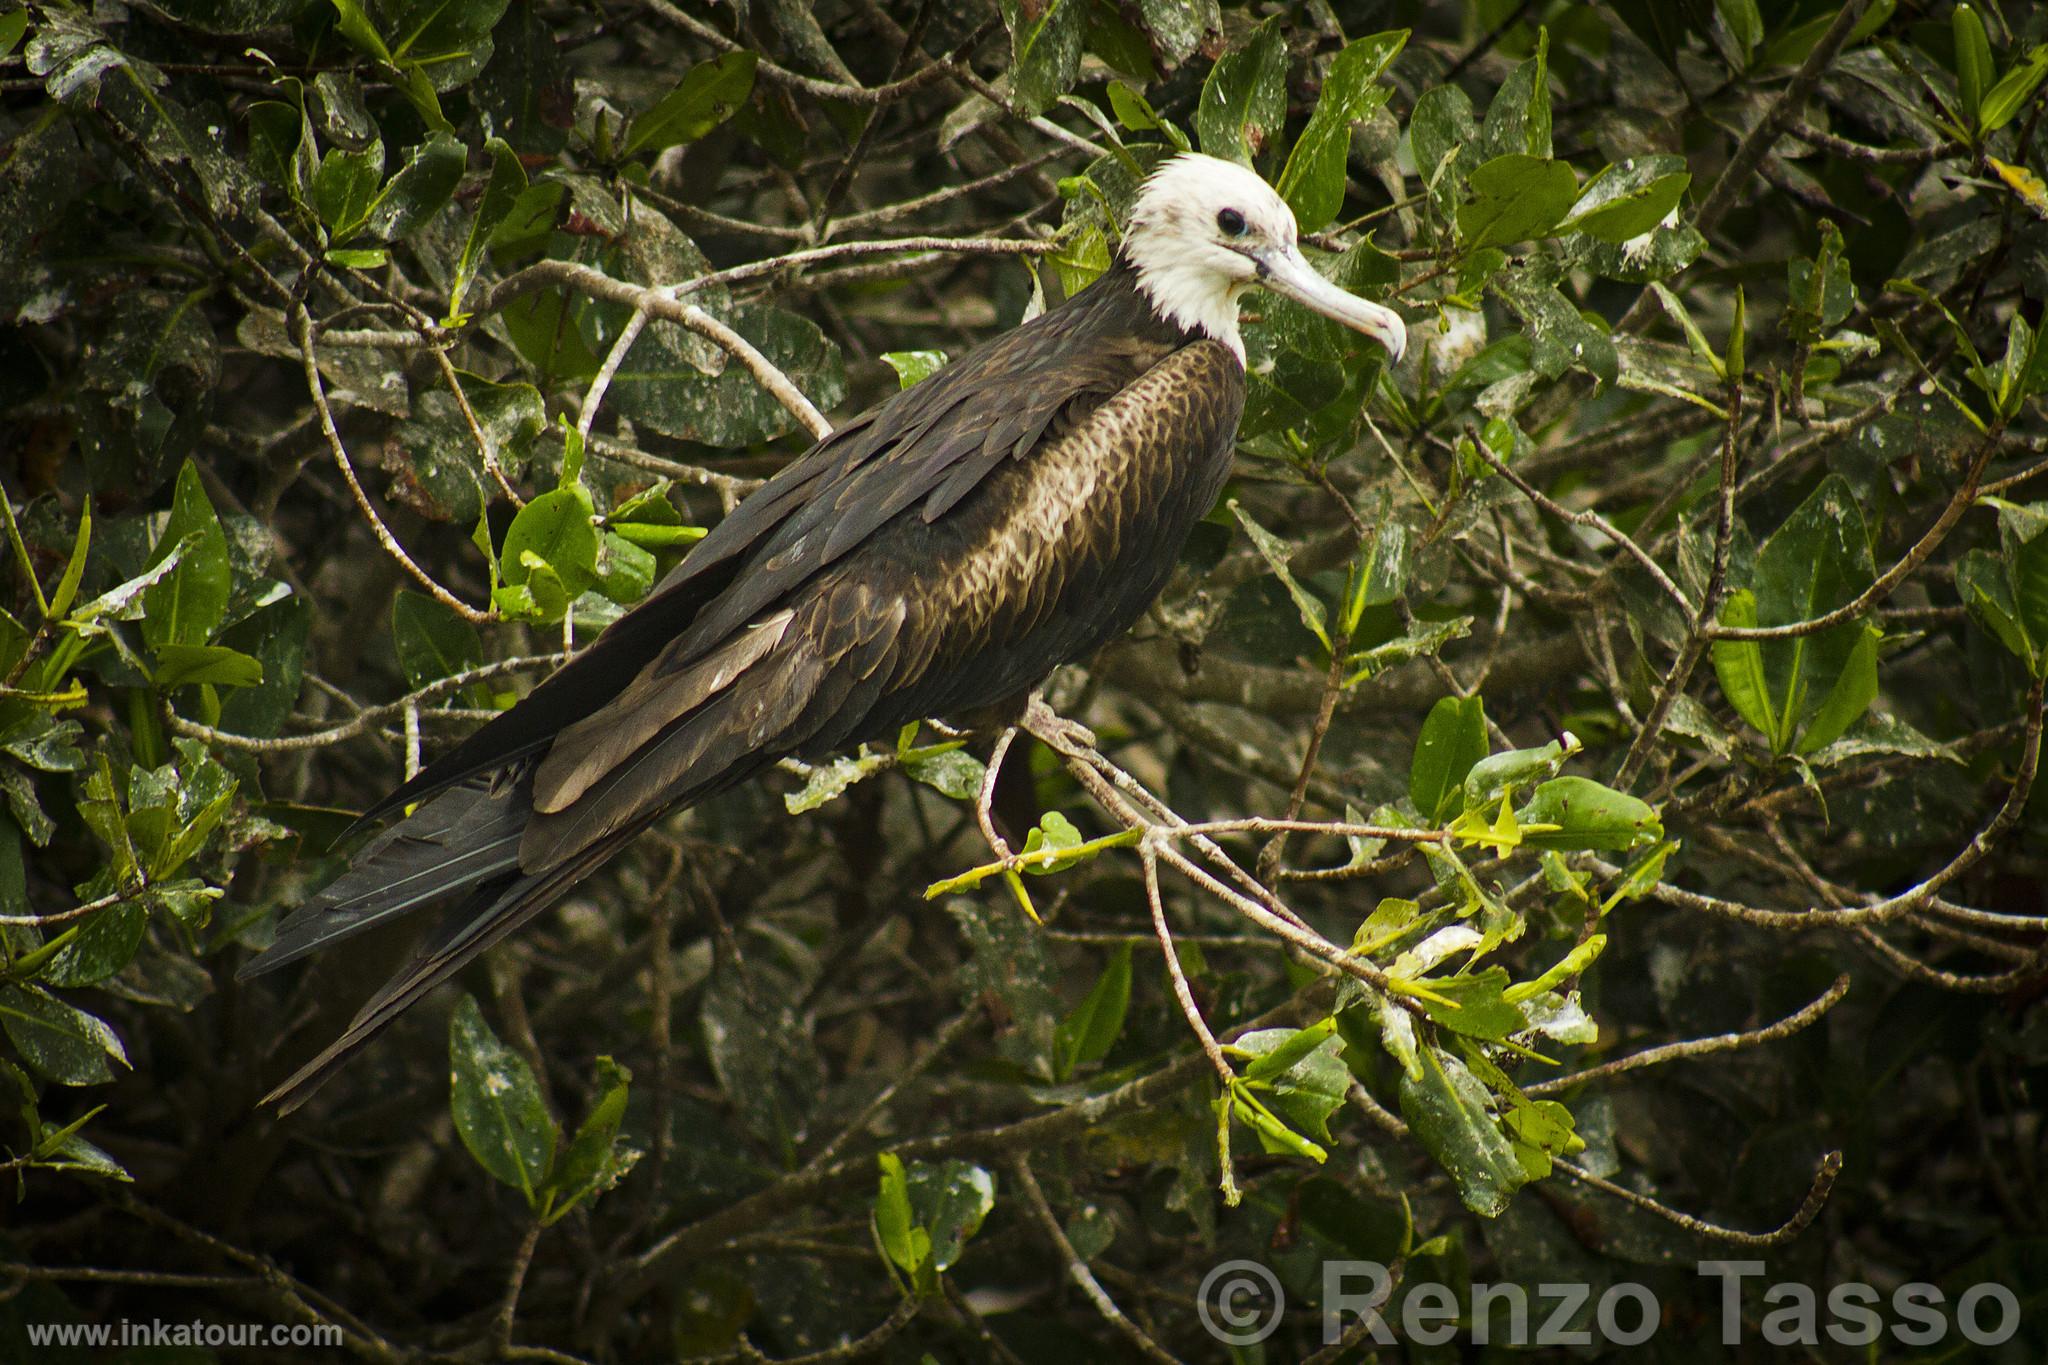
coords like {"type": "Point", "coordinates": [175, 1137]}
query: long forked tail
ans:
{"type": "Point", "coordinates": [463, 842]}
{"type": "Point", "coordinates": [490, 912]}
{"type": "Point", "coordinates": [462, 838]}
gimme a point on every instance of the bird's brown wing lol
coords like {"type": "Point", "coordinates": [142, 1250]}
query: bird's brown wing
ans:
{"type": "Point", "coordinates": [929, 444]}
{"type": "Point", "coordinates": [1044, 559]}
{"type": "Point", "coordinates": [874, 582]}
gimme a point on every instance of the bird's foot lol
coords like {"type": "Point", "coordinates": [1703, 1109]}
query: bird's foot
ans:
{"type": "Point", "coordinates": [984, 803]}
{"type": "Point", "coordinates": [1064, 736]}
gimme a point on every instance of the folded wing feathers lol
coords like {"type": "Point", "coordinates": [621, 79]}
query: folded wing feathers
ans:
{"type": "Point", "coordinates": [653, 702]}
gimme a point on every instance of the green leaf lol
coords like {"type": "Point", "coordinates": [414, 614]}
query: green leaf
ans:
{"type": "Point", "coordinates": [1244, 100]}
{"type": "Point", "coordinates": [497, 1104]}
{"type": "Point", "coordinates": [1560, 336]}
{"type": "Point", "coordinates": [1448, 1111]}
{"type": "Point", "coordinates": [1306, 1090]}
{"type": "Point", "coordinates": [1744, 23]}
{"type": "Point", "coordinates": [1628, 199]}
{"type": "Point", "coordinates": [2023, 544]}
{"type": "Point", "coordinates": [354, 23]}
{"type": "Point", "coordinates": [947, 769]}
{"type": "Point", "coordinates": [1973, 59]}
{"type": "Point", "coordinates": [1496, 775]}
{"type": "Point", "coordinates": [913, 367]}
{"type": "Point", "coordinates": [1088, 1033]}
{"type": "Point", "coordinates": [1475, 1005]}
{"type": "Point", "coordinates": [1818, 560]}
{"type": "Point", "coordinates": [281, 147]}
{"type": "Point", "coordinates": [1045, 47]}
{"type": "Point", "coordinates": [1453, 739]}
{"type": "Point", "coordinates": [432, 639]}
{"type": "Point", "coordinates": [1055, 832]}
{"type": "Point", "coordinates": [417, 190]}
{"type": "Point", "coordinates": [907, 1246]}
{"type": "Point", "coordinates": [828, 781]}
{"type": "Point", "coordinates": [950, 1200]}
{"type": "Point", "coordinates": [74, 569]}
{"type": "Point", "coordinates": [1312, 182]}
{"type": "Point", "coordinates": [705, 97]}
{"type": "Point", "coordinates": [1849, 696]}
{"type": "Point", "coordinates": [12, 26]}
{"type": "Point", "coordinates": [186, 606]}
{"type": "Point", "coordinates": [105, 943]}
{"type": "Point", "coordinates": [62, 1043]}
{"type": "Point", "coordinates": [593, 1162]}
{"type": "Point", "coordinates": [1571, 964]}
{"type": "Point", "coordinates": [1739, 665]}
{"type": "Point", "coordinates": [1518, 119]}
{"type": "Point", "coordinates": [344, 188]}
{"type": "Point", "coordinates": [556, 529]}
{"type": "Point", "coordinates": [1588, 816]}
{"type": "Point", "coordinates": [1516, 197]}
{"type": "Point", "coordinates": [215, 665]}
{"type": "Point", "coordinates": [1290, 1050]}
{"type": "Point", "coordinates": [1276, 553]}
{"type": "Point", "coordinates": [501, 192]}
{"type": "Point", "coordinates": [2003, 102]}
{"type": "Point", "coordinates": [1440, 130]}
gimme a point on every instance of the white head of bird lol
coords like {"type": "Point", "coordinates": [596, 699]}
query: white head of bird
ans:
{"type": "Point", "coordinates": [1205, 230]}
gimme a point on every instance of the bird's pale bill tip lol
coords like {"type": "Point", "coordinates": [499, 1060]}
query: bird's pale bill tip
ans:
{"type": "Point", "coordinates": [1289, 274]}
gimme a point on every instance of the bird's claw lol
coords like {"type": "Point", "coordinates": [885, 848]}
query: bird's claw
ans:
{"type": "Point", "coordinates": [1063, 735]}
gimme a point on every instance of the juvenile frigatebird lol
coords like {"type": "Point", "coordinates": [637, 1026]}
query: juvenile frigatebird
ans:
{"type": "Point", "coordinates": [941, 552]}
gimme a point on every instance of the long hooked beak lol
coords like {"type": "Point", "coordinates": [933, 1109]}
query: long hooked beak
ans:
{"type": "Point", "coordinates": [1286, 272]}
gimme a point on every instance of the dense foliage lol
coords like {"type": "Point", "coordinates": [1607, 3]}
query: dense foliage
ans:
{"type": "Point", "coordinates": [1609, 735]}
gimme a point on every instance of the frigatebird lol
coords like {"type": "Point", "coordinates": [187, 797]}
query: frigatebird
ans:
{"type": "Point", "coordinates": [942, 552]}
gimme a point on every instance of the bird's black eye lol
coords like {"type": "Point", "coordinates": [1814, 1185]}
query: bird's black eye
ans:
{"type": "Point", "coordinates": [1231, 223]}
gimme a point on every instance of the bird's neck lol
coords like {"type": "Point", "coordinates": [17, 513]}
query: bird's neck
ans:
{"type": "Point", "coordinates": [1183, 294]}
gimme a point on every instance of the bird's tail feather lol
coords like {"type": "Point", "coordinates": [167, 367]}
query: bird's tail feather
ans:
{"type": "Point", "coordinates": [477, 922]}
{"type": "Point", "coordinates": [465, 836]}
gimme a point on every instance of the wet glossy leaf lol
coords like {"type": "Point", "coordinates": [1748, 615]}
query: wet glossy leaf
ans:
{"type": "Point", "coordinates": [1087, 1034]}
{"type": "Point", "coordinates": [1515, 198]}
{"type": "Point", "coordinates": [497, 1104]}
{"type": "Point", "coordinates": [1453, 739]}
{"type": "Point", "coordinates": [703, 99]}
{"type": "Point", "coordinates": [1178, 27]}
{"type": "Point", "coordinates": [1518, 119]}
{"type": "Point", "coordinates": [1629, 198]}
{"type": "Point", "coordinates": [1045, 46]}
{"type": "Point", "coordinates": [106, 942]}
{"type": "Point", "coordinates": [187, 604]}
{"type": "Point", "coordinates": [1588, 816]}
{"type": "Point", "coordinates": [61, 1042]}
{"type": "Point", "coordinates": [1447, 1109]}
{"type": "Point", "coordinates": [1312, 182]}
{"type": "Point", "coordinates": [1244, 99]}
{"type": "Point", "coordinates": [418, 190]}
{"type": "Point", "coordinates": [594, 1160]}
{"type": "Point", "coordinates": [949, 1201]}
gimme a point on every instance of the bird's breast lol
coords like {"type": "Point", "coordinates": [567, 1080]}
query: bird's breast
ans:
{"type": "Point", "coordinates": [1113, 495]}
